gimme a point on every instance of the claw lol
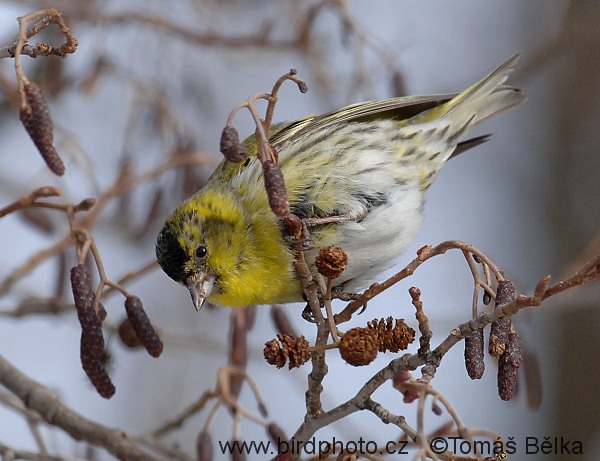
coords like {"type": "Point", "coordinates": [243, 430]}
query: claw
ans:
{"type": "Point", "coordinates": [303, 243]}
{"type": "Point", "coordinates": [308, 315]}
{"type": "Point", "coordinates": [364, 308]}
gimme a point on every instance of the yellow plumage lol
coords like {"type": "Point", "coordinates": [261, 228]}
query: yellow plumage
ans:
{"type": "Point", "coordinates": [369, 163]}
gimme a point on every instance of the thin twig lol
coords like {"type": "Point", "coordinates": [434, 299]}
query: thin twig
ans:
{"type": "Point", "coordinates": [423, 255]}
{"type": "Point", "coordinates": [179, 420]}
{"type": "Point", "coordinates": [47, 17]}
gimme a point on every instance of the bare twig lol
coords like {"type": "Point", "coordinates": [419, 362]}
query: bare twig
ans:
{"type": "Point", "coordinates": [43, 19]}
{"type": "Point", "coordinates": [423, 255]}
{"type": "Point", "coordinates": [362, 399]}
{"type": "Point", "coordinates": [118, 188]}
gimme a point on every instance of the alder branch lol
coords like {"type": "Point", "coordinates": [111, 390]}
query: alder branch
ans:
{"type": "Point", "coordinates": [318, 293]}
{"type": "Point", "coordinates": [10, 454]}
{"type": "Point", "coordinates": [409, 362]}
{"type": "Point", "coordinates": [261, 39]}
{"type": "Point", "coordinates": [121, 186]}
{"type": "Point", "coordinates": [38, 398]}
{"type": "Point", "coordinates": [313, 286]}
{"type": "Point", "coordinates": [43, 19]}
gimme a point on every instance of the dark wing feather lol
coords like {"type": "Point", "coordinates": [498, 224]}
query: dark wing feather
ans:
{"type": "Point", "coordinates": [398, 109]}
{"type": "Point", "coordinates": [469, 144]}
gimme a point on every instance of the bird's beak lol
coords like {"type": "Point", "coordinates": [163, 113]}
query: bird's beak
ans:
{"type": "Point", "coordinates": [200, 287]}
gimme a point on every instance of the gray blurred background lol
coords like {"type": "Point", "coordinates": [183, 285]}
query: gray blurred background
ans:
{"type": "Point", "coordinates": [138, 90]}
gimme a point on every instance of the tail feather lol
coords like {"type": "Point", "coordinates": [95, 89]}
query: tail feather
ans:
{"type": "Point", "coordinates": [489, 96]}
{"type": "Point", "coordinates": [501, 100]}
{"type": "Point", "coordinates": [481, 101]}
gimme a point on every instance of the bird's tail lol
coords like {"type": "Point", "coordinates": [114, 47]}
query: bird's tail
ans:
{"type": "Point", "coordinates": [486, 98]}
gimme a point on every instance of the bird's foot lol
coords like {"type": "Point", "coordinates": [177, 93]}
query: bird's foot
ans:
{"type": "Point", "coordinates": [302, 243]}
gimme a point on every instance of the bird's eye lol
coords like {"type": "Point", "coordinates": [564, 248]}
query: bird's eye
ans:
{"type": "Point", "coordinates": [201, 252]}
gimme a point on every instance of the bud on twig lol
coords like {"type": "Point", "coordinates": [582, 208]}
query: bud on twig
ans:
{"type": "Point", "coordinates": [487, 298]}
{"type": "Point", "coordinates": [302, 86]}
{"type": "Point", "coordinates": [141, 325]}
{"type": "Point", "coordinates": [45, 191]}
{"type": "Point", "coordinates": [231, 147]}
{"type": "Point", "coordinates": [86, 204]}
{"type": "Point", "coordinates": [35, 117]}
{"type": "Point", "coordinates": [127, 336]}
{"type": "Point", "coordinates": [401, 382]}
{"type": "Point", "coordinates": [436, 409]}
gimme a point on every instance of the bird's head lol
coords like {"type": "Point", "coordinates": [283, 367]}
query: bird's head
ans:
{"type": "Point", "coordinates": [226, 252]}
{"type": "Point", "coordinates": [201, 245]}
{"type": "Point", "coordinates": [184, 257]}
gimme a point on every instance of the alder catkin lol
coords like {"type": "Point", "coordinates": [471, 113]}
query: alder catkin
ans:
{"type": "Point", "coordinates": [275, 187]}
{"type": "Point", "coordinates": [508, 366]}
{"type": "Point", "coordinates": [276, 434]}
{"type": "Point", "coordinates": [35, 117]}
{"type": "Point", "coordinates": [204, 449]}
{"type": "Point", "coordinates": [474, 355]}
{"type": "Point", "coordinates": [141, 325]}
{"type": "Point", "coordinates": [94, 368]}
{"type": "Point", "coordinates": [500, 329]}
{"type": "Point", "coordinates": [231, 147]}
{"type": "Point", "coordinates": [93, 353]}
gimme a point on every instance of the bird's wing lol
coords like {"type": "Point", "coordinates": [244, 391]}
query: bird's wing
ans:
{"type": "Point", "coordinates": [401, 108]}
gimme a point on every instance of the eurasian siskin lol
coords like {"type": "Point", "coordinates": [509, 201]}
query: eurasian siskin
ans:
{"type": "Point", "coordinates": [369, 163]}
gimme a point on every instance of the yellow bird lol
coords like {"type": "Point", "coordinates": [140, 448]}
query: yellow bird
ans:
{"type": "Point", "coordinates": [369, 162]}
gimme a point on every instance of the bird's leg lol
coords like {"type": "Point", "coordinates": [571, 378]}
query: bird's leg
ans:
{"type": "Point", "coordinates": [337, 293]}
{"type": "Point", "coordinates": [340, 293]}
{"type": "Point", "coordinates": [305, 242]}
{"type": "Point", "coordinates": [312, 222]}
{"type": "Point", "coordinates": [302, 243]}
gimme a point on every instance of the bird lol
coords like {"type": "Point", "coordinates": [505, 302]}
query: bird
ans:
{"type": "Point", "coordinates": [369, 164]}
